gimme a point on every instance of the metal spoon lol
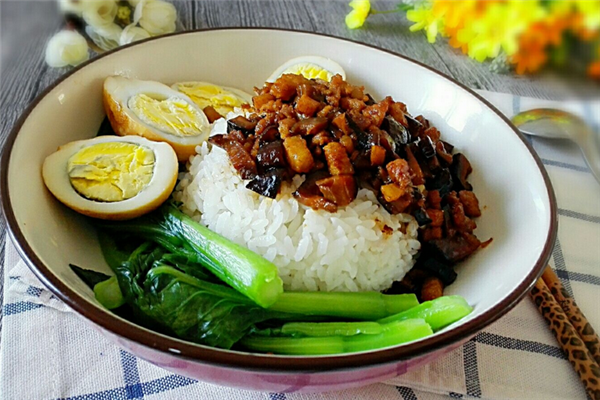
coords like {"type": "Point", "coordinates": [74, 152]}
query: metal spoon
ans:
{"type": "Point", "coordinates": [557, 124]}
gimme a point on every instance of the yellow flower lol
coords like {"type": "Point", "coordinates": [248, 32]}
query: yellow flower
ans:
{"type": "Point", "coordinates": [499, 28]}
{"type": "Point", "coordinates": [425, 19]}
{"type": "Point", "coordinates": [356, 18]}
{"type": "Point", "coordinates": [591, 13]}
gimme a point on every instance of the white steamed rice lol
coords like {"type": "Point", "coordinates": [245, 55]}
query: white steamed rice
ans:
{"type": "Point", "coordinates": [314, 250]}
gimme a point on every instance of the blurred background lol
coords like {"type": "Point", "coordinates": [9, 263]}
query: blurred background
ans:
{"type": "Point", "coordinates": [547, 49]}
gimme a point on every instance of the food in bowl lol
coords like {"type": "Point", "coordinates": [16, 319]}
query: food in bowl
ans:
{"type": "Point", "coordinates": [112, 177]}
{"type": "Point", "coordinates": [315, 188]}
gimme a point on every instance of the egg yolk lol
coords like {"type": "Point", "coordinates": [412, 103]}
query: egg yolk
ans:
{"type": "Point", "coordinates": [309, 71]}
{"type": "Point", "coordinates": [172, 115]}
{"type": "Point", "coordinates": [221, 100]}
{"type": "Point", "coordinates": [111, 171]}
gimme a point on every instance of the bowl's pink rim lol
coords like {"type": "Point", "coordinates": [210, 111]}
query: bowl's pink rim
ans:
{"type": "Point", "coordinates": [263, 362]}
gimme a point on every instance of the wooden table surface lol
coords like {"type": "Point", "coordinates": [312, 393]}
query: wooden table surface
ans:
{"type": "Point", "coordinates": [25, 27]}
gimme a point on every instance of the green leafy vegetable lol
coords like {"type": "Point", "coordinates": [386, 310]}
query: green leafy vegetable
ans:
{"type": "Point", "coordinates": [242, 269]}
{"type": "Point", "coordinates": [188, 282]}
{"type": "Point", "coordinates": [189, 308]}
{"type": "Point", "coordinates": [106, 288]}
{"type": "Point", "coordinates": [89, 277]}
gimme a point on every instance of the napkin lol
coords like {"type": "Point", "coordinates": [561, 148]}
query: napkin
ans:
{"type": "Point", "coordinates": [48, 352]}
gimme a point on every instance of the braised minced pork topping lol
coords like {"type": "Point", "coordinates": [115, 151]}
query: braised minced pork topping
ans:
{"type": "Point", "coordinates": [343, 140]}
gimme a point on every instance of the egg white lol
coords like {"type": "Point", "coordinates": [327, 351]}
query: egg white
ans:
{"type": "Point", "coordinates": [320, 62]}
{"type": "Point", "coordinates": [241, 95]}
{"type": "Point", "coordinates": [124, 121]}
{"type": "Point", "coordinates": [158, 190]}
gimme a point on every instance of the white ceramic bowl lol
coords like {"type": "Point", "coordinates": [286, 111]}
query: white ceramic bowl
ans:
{"type": "Point", "coordinates": [519, 210]}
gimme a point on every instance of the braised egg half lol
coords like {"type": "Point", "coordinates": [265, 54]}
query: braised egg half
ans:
{"type": "Point", "coordinates": [223, 99]}
{"type": "Point", "coordinates": [311, 67]}
{"type": "Point", "coordinates": [155, 111]}
{"type": "Point", "coordinates": [112, 177]}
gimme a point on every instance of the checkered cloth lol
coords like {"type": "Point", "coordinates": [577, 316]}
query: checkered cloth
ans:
{"type": "Point", "coordinates": [47, 352]}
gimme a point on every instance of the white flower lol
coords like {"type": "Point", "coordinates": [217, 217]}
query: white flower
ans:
{"type": "Point", "coordinates": [72, 6]}
{"type": "Point", "coordinates": [66, 48]}
{"type": "Point", "coordinates": [106, 37]}
{"type": "Point", "coordinates": [100, 13]}
{"type": "Point", "coordinates": [132, 33]}
{"type": "Point", "coordinates": [155, 16]}
{"type": "Point", "coordinates": [134, 2]}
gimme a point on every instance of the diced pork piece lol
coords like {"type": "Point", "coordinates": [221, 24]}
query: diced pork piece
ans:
{"type": "Point", "coordinates": [339, 189]}
{"type": "Point", "coordinates": [307, 106]}
{"type": "Point", "coordinates": [377, 111]}
{"type": "Point", "coordinates": [321, 139]}
{"type": "Point", "coordinates": [377, 155]}
{"type": "Point", "coordinates": [298, 155]}
{"type": "Point", "coordinates": [348, 143]}
{"type": "Point", "coordinates": [348, 103]}
{"type": "Point", "coordinates": [432, 289]}
{"type": "Point", "coordinates": [262, 100]}
{"type": "Point", "coordinates": [399, 172]}
{"type": "Point", "coordinates": [342, 124]}
{"type": "Point", "coordinates": [434, 200]}
{"type": "Point", "coordinates": [460, 220]}
{"type": "Point", "coordinates": [433, 134]}
{"type": "Point", "coordinates": [397, 111]}
{"type": "Point", "coordinates": [284, 87]}
{"type": "Point", "coordinates": [392, 192]}
{"type": "Point", "coordinates": [285, 127]}
{"type": "Point", "coordinates": [310, 126]}
{"type": "Point", "coordinates": [310, 195]}
{"type": "Point", "coordinates": [436, 217]}
{"type": "Point", "coordinates": [337, 159]}
{"type": "Point", "coordinates": [398, 206]}
{"type": "Point", "coordinates": [240, 159]}
{"type": "Point", "coordinates": [470, 203]}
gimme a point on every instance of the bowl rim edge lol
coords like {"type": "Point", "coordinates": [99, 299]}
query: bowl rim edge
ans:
{"type": "Point", "coordinates": [251, 361]}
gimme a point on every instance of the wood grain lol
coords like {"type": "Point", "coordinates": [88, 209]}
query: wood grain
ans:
{"type": "Point", "coordinates": [25, 27]}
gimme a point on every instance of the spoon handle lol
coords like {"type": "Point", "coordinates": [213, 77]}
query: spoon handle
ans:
{"type": "Point", "coordinates": [590, 147]}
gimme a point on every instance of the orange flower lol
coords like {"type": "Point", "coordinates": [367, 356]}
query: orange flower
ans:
{"type": "Point", "coordinates": [594, 70]}
{"type": "Point", "coordinates": [535, 41]}
{"type": "Point", "coordinates": [530, 61]}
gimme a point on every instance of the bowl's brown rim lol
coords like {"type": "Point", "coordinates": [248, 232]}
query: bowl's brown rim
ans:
{"type": "Point", "coordinates": [267, 363]}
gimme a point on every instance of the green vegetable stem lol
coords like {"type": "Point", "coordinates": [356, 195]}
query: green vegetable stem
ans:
{"type": "Point", "coordinates": [241, 268]}
{"type": "Point", "coordinates": [109, 294]}
{"type": "Point", "coordinates": [391, 334]}
{"type": "Point", "coordinates": [438, 313]}
{"type": "Point", "coordinates": [351, 305]}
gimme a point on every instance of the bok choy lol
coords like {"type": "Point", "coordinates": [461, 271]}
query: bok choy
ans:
{"type": "Point", "coordinates": [239, 267]}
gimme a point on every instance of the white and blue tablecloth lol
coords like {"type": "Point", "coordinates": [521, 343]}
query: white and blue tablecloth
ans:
{"type": "Point", "coordinates": [48, 352]}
